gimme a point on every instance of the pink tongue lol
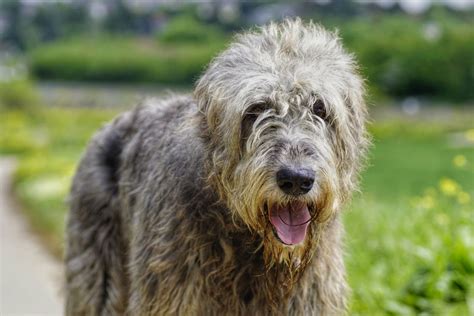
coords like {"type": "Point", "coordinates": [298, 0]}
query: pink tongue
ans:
{"type": "Point", "coordinates": [290, 222]}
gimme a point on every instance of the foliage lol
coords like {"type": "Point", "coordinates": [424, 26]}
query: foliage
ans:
{"type": "Point", "coordinates": [120, 18]}
{"type": "Point", "coordinates": [48, 143]}
{"type": "Point", "coordinates": [402, 56]}
{"type": "Point", "coordinates": [410, 246]}
{"type": "Point", "coordinates": [187, 29]}
{"type": "Point", "coordinates": [122, 59]}
{"type": "Point", "coordinates": [46, 22]}
{"type": "Point", "coordinates": [409, 236]}
{"type": "Point", "coordinates": [17, 93]}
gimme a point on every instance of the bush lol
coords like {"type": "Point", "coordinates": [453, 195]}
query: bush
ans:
{"type": "Point", "coordinates": [181, 53]}
{"type": "Point", "coordinates": [399, 56]}
{"type": "Point", "coordinates": [186, 29]}
{"type": "Point", "coordinates": [47, 143]}
{"type": "Point", "coordinates": [404, 57]}
{"type": "Point", "coordinates": [17, 93]}
{"type": "Point", "coordinates": [121, 59]}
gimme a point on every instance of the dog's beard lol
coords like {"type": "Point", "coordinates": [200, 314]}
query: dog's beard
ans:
{"type": "Point", "coordinates": [288, 226]}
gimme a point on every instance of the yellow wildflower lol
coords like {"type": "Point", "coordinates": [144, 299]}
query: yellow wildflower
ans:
{"type": "Point", "coordinates": [448, 187]}
{"type": "Point", "coordinates": [427, 202]}
{"type": "Point", "coordinates": [470, 135]}
{"type": "Point", "coordinates": [463, 197]}
{"type": "Point", "coordinates": [459, 161]}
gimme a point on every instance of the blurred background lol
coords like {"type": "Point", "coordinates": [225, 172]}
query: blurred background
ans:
{"type": "Point", "coordinates": [67, 67]}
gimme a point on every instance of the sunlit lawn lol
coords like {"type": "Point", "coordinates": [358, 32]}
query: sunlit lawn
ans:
{"type": "Point", "coordinates": [410, 247]}
{"type": "Point", "coordinates": [49, 143]}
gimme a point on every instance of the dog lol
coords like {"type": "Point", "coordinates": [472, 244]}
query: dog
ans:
{"type": "Point", "coordinates": [227, 201]}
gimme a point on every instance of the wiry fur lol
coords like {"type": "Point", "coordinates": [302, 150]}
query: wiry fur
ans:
{"type": "Point", "coordinates": [169, 206]}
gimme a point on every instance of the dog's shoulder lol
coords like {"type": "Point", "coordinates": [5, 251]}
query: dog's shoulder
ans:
{"type": "Point", "coordinates": [165, 111]}
{"type": "Point", "coordinates": [164, 131]}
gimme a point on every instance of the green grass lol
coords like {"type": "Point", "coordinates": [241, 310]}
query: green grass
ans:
{"type": "Point", "coordinates": [48, 143]}
{"type": "Point", "coordinates": [410, 247]}
{"type": "Point", "coordinates": [17, 93]}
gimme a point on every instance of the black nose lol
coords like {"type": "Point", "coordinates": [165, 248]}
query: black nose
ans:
{"type": "Point", "coordinates": [295, 181]}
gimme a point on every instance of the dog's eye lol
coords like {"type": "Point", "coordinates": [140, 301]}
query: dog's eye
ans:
{"type": "Point", "coordinates": [250, 117]}
{"type": "Point", "coordinates": [254, 111]}
{"type": "Point", "coordinates": [319, 109]}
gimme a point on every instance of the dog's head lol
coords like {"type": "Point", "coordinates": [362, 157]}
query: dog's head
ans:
{"type": "Point", "coordinates": [283, 114]}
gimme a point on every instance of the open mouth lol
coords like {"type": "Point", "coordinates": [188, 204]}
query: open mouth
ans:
{"type": "Point", "coordinates": [290, 222]}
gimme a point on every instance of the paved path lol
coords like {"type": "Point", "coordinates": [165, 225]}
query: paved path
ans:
{"type": "Point", "coordinates": [30, 278]}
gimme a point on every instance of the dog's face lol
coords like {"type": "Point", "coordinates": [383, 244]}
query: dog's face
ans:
{"type": "Point", "coordinates": [284, 117]}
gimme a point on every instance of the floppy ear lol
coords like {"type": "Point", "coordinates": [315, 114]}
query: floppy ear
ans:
{"type": "Point", "coordinates": [352, 137]}
{"type": "Point", "coordinates": [218, 126]}
{"type": "Point", "coordinates": [203, 96]}
{"type": "Point", "coordinates": [213, 93]}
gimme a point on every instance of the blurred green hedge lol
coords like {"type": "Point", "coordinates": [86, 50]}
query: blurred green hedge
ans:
{"type": "Point", "coordinates": [400, 56]}
{"type": "Point", "coordinates": [177, 57]}
{"type": "Point", "coordinates": [403, 57]}
{"type": "Point", "coordinates": [124, 60]}
{"type": "Point", "coordinates": [187, 29]}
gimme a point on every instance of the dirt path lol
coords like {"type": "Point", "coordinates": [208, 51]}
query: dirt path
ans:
{"type": "Point", "coordinates": [30, 278]}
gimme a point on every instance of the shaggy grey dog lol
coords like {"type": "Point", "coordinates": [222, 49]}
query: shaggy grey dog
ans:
{"type": "Point", "coordinates": [226, 202]}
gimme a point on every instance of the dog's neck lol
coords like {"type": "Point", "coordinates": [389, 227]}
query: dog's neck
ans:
{"type": "Point", "coordinates": [236, 259]}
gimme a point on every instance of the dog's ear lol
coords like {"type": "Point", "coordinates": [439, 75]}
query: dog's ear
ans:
{"type": "Point", "coordinates": [217, 121]}
{"type": "Point", "coordinates": [351, 135]}
{"type": "Point", "coordinates": [206, 94]}
{"type": "Point", "coordinates": [203, 100]}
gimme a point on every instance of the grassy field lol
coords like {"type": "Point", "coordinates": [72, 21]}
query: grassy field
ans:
{"type": "Point", "coordinates": [410, 247]}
